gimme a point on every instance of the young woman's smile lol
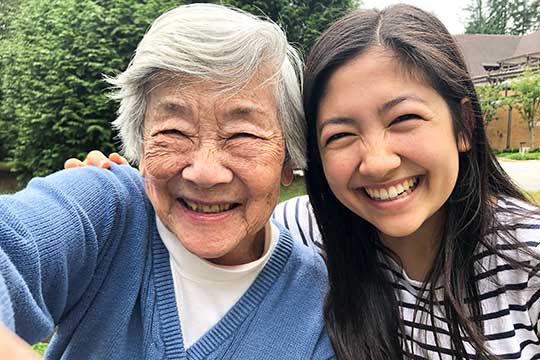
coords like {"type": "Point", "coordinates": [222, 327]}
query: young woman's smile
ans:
{"type": "Point", "coordinates": [387, 144]}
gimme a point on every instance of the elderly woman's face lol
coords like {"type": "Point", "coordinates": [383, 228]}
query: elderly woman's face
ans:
{"type": "Point", "coordinates": [212, 165]}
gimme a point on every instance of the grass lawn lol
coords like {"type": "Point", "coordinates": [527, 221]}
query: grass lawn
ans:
{"type": "Point", "coordinates": [534, 196]}
{"type": "Point", "coordinates": [534, 155]}
{"type": "Point", "coordinates": [295, 189]}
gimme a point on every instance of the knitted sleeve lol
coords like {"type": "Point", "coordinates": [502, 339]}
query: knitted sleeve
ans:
{"type": "Point", "coordinates": [296, 215]}
{"type": "Point", "coordinates": [53, 236]}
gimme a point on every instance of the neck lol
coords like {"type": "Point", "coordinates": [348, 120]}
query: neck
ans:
{"type": "Point", "coordinates": [416, 252]}
{"type": "Point", "coordinates": [248, 251]}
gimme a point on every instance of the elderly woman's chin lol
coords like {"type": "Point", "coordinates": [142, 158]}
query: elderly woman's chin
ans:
{"type": "Point", "coordinates": [224, 238]}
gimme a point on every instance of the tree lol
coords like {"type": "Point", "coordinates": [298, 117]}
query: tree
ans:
{"type": "Point", "coordinates": [514, 17]}
{"type": "Point", "coordinates": [302, 20]}
{"type": "Point", "coordinates": [8, 12]}
{"type": "Point", "coordinates": [477, 20]}
{"type": "Point", "coordinates": [51, 81]}
{"type": "Point", "coordinates": [526, 99]}
{"type": "Point", "coordinates": [491, 100]}
{"type": "Point", "coordinates": [524, 15]}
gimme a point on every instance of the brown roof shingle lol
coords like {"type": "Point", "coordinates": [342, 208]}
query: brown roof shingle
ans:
{"type": "Point", "coordinates": [478, 49]}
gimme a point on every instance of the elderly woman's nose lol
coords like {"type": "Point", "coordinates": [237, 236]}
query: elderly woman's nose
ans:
{"type": "Point", "coordinates": [207, 169]}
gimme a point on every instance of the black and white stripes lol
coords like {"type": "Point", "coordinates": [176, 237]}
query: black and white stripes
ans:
{"type": "Point", "coordinates": [509, 298]}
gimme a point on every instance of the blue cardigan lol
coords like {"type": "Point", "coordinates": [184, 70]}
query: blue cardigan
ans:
{"type": "Point", "coordinates": [79, 250]}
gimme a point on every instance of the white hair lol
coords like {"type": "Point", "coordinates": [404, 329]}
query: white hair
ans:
{"type": "Point", "coordinates": [217, 44]}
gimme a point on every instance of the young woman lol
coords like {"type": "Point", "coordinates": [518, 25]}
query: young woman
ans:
{"type": "Point", "coordinates": [432, 252]}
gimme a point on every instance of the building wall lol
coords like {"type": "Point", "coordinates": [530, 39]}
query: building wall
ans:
{"type": "Point", "coordinates": [496, 131]}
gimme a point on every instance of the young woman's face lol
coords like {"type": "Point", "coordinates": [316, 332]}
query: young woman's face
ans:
{"type": "Point", "coordinates": [387, 145]}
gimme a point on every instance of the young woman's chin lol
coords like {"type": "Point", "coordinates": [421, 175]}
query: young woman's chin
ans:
{"type": "Point", "coordinates": [395, 232]}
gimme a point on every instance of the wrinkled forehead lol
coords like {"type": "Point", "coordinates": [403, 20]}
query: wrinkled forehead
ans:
{"type": "Point", "coordinates": [188, 95]}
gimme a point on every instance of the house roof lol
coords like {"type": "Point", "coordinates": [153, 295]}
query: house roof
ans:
{"type": "Point", "coordinates": [484, 49]}
{"type": "Point", "coordinates": [479, 49]}
{"type": "Point", "coordinates": [529, 44]}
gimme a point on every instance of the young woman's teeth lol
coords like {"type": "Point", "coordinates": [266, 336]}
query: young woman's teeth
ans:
{"type": "Point", "coordinates": [207, 209]}
{"type": "Point", "coordinates": [393, 192]}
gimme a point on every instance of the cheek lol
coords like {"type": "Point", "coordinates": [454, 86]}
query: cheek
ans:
{"type": "Point", "coordinates": [164, 159]}
{"type": "Point", "coordinates": [262, 175]}
{"type": "Point", "coordinates": [257, 163]}
{"type": "Point", "coordinates": [339, 167]}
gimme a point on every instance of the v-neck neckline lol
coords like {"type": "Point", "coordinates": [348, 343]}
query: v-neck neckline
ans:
{"type": "Point", "coordinates": [170, 327]}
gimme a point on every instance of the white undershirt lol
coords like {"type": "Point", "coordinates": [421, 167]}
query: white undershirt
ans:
{"type": "Point", "coordinates": [204, 291]}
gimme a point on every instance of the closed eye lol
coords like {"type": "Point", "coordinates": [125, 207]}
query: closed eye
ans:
{"type": "Point", "coordinates": [243, 135]}
{"type": "Point", "coordinates": [406, 117]}
{"type": "Point", "coordinates": [172, 132]}
{"type": "Point", "coordinates": [337, 136]}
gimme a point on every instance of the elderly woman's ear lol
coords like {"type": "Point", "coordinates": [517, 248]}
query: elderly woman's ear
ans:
{"type": "Point", "coordinates": [287, 175]}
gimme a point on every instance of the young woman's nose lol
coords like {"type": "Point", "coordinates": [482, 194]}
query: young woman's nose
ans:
{"type": "Point", "coordinates": [378, 162]}
{"type": "Point", "coordinates": [207, 168]}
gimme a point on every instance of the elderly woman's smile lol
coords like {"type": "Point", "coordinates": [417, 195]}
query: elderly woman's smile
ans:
{"type": "Point", "coordinates": [212, 163]}
{"type": "Point", "coordinates": [207, 208]}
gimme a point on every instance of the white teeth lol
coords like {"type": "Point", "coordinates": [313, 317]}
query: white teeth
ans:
{"type": "Point", "coordinates": [393, 192]}
{"type": "Point", "coordinates": [209, 209]}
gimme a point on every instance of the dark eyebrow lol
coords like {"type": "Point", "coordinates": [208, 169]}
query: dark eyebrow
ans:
{"type": "Point", "coordinates": [174, 108]}
{"type": "Point", "coordinates": [398, 100]}
{"type": "Point", "coordinates": [341, 120]}
{"type": "Point", "coordinates": [244, 110]}
{"type": "Point", "coordinates": [254, 114]}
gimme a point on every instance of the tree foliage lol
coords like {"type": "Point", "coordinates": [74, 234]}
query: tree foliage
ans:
{"type": "Point", "coordinates": [53, 101]}
{"type": "Point", "coordinates": [491, 100]}
{"type": "Point", "coordinates": [526, 99]}
{"type": "Point", "coordinates": [514, 17]}
{"type": "Point", "coordinates": [7, 10]}
{"type": "Point", "coordinates": [303, 20]}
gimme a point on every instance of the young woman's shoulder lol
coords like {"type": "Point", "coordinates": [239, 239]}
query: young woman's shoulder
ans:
{"type": "Point", "coordinates": [520, 219]}
{"type": "Point", "coordinates": [508, 277]}
{"type": "Point", "coordinates": [296, 215]}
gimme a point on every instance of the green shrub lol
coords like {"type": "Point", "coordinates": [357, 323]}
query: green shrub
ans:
{"type": "Point", "coordinates": [526, 156]}
{"type": "Point", "coordinates": [53, 94]}
{"type": "Point", "coordinates": [40, 348]}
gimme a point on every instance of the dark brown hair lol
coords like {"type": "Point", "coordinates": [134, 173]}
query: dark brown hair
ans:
{"type": "Point", "coordinates": [361, 311]}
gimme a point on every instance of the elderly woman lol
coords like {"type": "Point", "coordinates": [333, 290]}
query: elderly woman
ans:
{"type": "Point", "coordinates": [183, 262]}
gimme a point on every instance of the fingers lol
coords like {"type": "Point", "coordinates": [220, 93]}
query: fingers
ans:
{"type": "Point", "coordinates": [118, 159]}
{"type": "Point", "coordinates": [97, 158]}
{"type": "Point", "coordinates": [73, 163]}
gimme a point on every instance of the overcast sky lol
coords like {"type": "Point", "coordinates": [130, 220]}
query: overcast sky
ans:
{"type": "Point", "coordinates": [450, 12]}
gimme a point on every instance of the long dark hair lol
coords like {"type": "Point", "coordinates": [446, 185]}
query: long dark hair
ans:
{"type": "Point", "coordinates": [361, 311]}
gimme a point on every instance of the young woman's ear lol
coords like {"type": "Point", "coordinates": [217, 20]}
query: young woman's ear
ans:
{"type": "Point", "coordinates": [467, 114]}
{"type": "Point", "coordinates": [287, 174]}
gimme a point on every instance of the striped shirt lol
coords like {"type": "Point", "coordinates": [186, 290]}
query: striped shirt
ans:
{"type": "Point", "coordinates": [509, 298]}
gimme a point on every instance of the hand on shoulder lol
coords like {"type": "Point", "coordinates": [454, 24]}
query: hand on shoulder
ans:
{"type": "Point", "coordinates": [96, 158]}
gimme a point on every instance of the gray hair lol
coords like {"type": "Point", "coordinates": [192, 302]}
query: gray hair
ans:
{"type": "Point", "coordinates": [217, 44]}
